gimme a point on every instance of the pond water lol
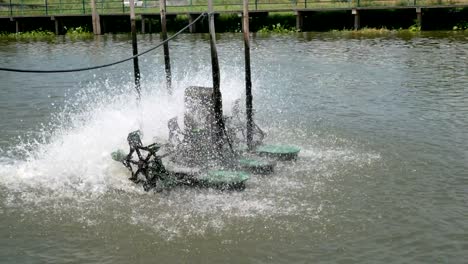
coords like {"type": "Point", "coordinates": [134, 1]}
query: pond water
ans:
{"type": "Point", "coordinates": [382, 176]}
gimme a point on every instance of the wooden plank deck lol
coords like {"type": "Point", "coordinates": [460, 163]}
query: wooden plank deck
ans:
{"type": "Point", "coordinates": [252, 12]}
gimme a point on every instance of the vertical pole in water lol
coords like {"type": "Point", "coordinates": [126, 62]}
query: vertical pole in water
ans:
{"type": "Point", "coordinates": [299, 20]}
{"type": "Point", "coordinates": [248, 80]}
{"type": "Point", "coordinates": [56, 24]}
{"type": "Point", "coordinates": [193, 27]}
{"type": "Point", "coordinates": [136, 67]}
{"type": "Point", "coordinates": [357, 20]}
{"type": "Point", "coordinates": [95, 17]}
{"type": "Point", "coordinates": [217, 97]}
{"type": "Point", "coordinates": [419, 16]}
{"type": "Point", "coordinates": [167, 60]}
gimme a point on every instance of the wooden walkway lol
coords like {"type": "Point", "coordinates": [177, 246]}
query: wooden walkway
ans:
{"type": "Point", "coordinates": [300, 14]}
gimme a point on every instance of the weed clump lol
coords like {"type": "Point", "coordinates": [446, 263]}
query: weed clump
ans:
{"type": "Point", "coordinates": [277, 28]}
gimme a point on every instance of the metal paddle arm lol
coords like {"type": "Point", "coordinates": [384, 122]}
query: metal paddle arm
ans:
{"type": "Point", "coordinates": [148, 164]}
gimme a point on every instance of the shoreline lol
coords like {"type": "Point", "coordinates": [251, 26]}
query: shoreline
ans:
{"type": "Point", "coordinates": [432, 19]}
{"type": "Point", "coordinates": [42, 35]}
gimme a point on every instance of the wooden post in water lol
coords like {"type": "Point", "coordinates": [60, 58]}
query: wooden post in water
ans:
{"type": "Point", "coordinates": [56, 24]}
{"type": "Point", "coordinates": [193, 27]}
{"type": "Point", "coordinates": [299, 20]}
{"type": "Point", "coordinates": [248, 80]}
{"type": "Point", "coordinates": [95, 18]}
{"type": "Point", "coordinates": [136, 67]}
{"type": "Point", "coordinates": [17, 26]}
{"type": "Point", "coordinates": [167, 60]}
{"type": "Point", "coordinates": [419, 16]}
{"type": "Point", "coordinates": [218, 125]}
{"type": "Point", "coordinates": [357, 19]}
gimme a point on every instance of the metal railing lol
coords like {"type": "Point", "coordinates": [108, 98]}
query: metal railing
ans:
{"type": "Point", "coordinates": [76, 7]}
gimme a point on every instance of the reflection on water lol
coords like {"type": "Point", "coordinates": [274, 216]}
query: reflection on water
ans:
{"type": "Point", "coordinates": [381, 121]}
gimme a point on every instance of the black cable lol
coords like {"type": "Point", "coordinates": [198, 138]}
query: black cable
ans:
{"type": "Point", "coordinates": [108, 64]}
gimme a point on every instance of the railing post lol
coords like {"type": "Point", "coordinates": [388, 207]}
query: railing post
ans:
{"type": "Point", "coordinates": [84, 10]}
{"type": "Point", "coordinates": [414, 2]}
{"type": "Point", "coordinates": [11, 9]}
{"type": "Point", "coordinates": [305, 4]}
{"type": "Point", "coordinates": [256, 4]}
{"type": "Point", "coordinates": [358, 2]}
{"type": "Point", "coordinates": [248, 78]}
{"type": "Point", "coordinates": [167, 60]}
{"type": "Point", "coordinates": [46, 8]}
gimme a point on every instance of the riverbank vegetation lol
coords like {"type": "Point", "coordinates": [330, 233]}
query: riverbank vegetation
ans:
{"type": "Point", "coordinates": [276, 24]}
{"type": "Point", "coordinates": [79, 33]}
{"type": "Point", "coordinates": [40, 34]}
{"type": "Point", "coordinates": [377, 32]}
{"type": "Point", "coordinates": [278, 28]}
{"type": "Point", "coordinates": [462, 25]}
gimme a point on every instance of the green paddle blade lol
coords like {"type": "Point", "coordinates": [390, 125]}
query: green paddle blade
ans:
{"type": "Point", "coordinates": [118, 155]}
{"type": "Point", "coordinates": [257, 166]}
{"type": "Point", "coordinates": [222, 179]}
{"type": "Point", "coordinates": [282, 152]}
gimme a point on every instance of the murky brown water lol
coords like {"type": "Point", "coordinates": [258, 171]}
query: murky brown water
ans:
{"type": "Point", "coordinates": [381, 178]}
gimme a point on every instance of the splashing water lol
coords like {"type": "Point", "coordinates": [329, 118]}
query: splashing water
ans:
{"type": "Point", "coordinates": [75, 153]}
{"type": "Point", "coordinates": [68, 171]}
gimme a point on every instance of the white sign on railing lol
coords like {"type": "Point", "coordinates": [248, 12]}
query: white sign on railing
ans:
{"type": "Point", "coordinates": [137, 2]}
{"type": "Point", "coordinates": [178, 2]}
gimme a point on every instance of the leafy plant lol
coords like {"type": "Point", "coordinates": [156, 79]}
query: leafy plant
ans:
{"type": "Point", "coordinates": [462, 25]}
{"type": "Point", "coordinates": [415, 28]}
{"type": "Point", "coordinates": [37, 34]}
{"type": "Point", "coordinates": [78, 31]}
{"type": "Point", "coordinates": [277, 28]}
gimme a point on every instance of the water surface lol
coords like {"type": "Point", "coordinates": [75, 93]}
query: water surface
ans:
{"type": "Point", "coordinates": [381, 178]}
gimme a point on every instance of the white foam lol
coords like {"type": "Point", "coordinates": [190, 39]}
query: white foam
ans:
{"type": "Point", "coordinates": [68, 169]}
{"type": "Point", "coordinates": [76, 153]}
